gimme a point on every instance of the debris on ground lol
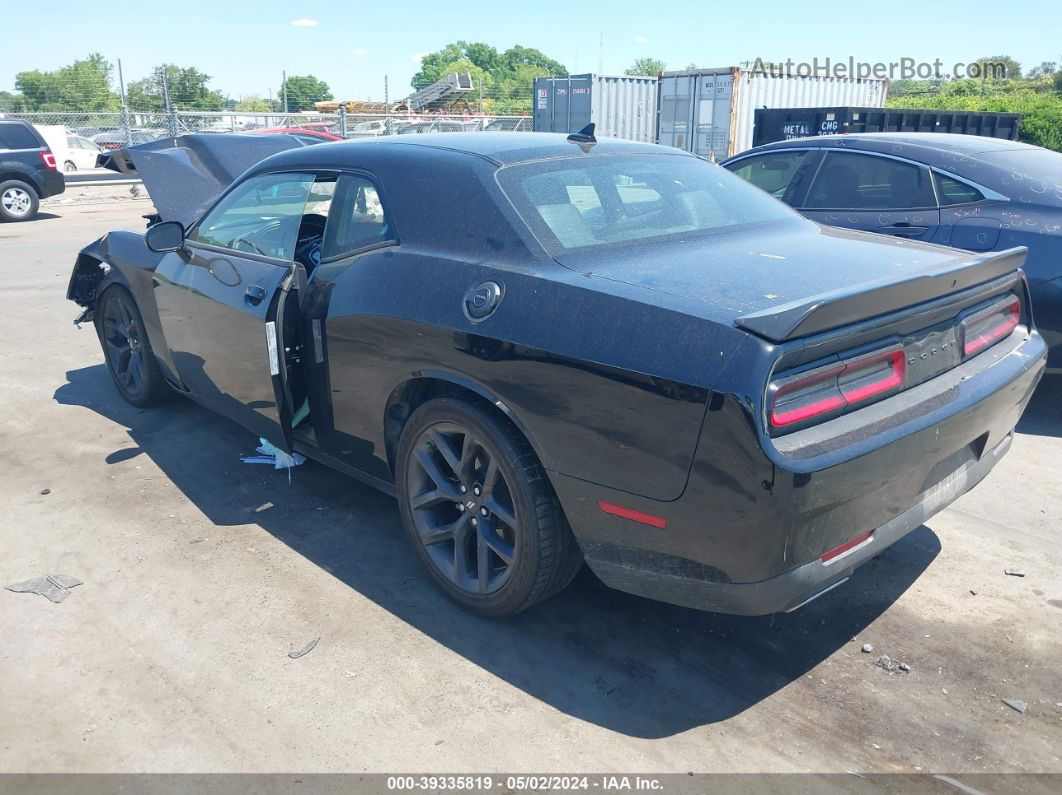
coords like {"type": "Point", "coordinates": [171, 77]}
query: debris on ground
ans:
{"type": "Point", "coordinates": [304, 650]}
{"type": "Point", "coordinates": [46, 491]}
{"type": "Point", "coordinates": [54, 587]}
{"type": "Point", "coordinates": [891, 665]}
{"type": "Point", "coordinates": [269, 453]}
{"type": "Point", "coordinates": [1016, 704]}
{"type": "Point", "coordinates": [1013, 572]}
{"type": "Point", "coordinates": [867, 648]}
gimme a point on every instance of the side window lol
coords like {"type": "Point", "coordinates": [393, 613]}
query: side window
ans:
{"type": "Point", "coordinates": [357, 219]}
{"type": "Point", "coordinates": [771, 172]}
{"type": "Point", "coordinates": [868, 182]}
{"type": "Point", "coordinates": [952, 192]}
{"type": "Point", "coordinates": [260, 216]}
{"type": "Point", "coordinates": [18, 136]}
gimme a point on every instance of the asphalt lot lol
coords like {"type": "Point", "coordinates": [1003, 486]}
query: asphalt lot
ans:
{"type": "Point", "coordinates": [173, 654]}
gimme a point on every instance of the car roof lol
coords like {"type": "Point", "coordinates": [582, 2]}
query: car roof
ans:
{"type": "Point", "coordinates": [502, 148]}
{"type": "Point", "coordinates": [944, 143]}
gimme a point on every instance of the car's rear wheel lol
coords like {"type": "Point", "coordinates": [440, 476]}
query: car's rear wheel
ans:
{"type": "Point", "coordinates": [479, 510]}
{"type": "Point", "coordinates": [126, 349]}
{"type": "Point", "coordinates": [18, 200]}
{"type": "Point", "coordinates": [69, 165]}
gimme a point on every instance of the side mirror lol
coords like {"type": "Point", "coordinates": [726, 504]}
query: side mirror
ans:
{"type": "Point", "coordinates": [165, 236]}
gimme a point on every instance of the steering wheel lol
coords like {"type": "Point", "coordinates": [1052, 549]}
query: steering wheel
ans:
{"type": "Point", "coordinates": [246, 242]}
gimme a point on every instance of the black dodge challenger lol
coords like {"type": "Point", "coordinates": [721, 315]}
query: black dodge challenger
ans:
{"type": "Point", "coordinates": [556, 349]}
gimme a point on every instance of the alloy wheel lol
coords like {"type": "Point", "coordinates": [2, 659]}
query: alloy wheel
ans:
{"type": "Point", "coordinates": [463, 510]}
{"type": "Point", "coordinates": [125, 344]}
{"type": "Point", "coordinates": [16, 201]}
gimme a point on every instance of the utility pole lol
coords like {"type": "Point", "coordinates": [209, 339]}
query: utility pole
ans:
{"type": "Point", "coordinates": [125, 107]}
{"type": "Point", "coordinates": [387, 94]}
{"type": "Point", "coordinates": [284, 86]}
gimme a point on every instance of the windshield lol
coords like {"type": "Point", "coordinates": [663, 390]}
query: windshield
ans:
{"type": "Point", "coordinates": [584, 202]}
{"type": "Point", "coordinates": [1035, 174]}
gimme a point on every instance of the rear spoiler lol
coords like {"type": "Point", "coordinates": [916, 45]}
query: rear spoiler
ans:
{"type": "Point", "coordinates": [827, 311]}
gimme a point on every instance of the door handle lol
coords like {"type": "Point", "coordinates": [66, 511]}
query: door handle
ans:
{"type": "Point", "coordinates": [903, 231]}
{"type": "Point", "coordinates": [254, 294]}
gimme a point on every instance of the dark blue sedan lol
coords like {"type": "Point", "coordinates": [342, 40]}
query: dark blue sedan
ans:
{"type": "Point", "coordinates": [980, 194]}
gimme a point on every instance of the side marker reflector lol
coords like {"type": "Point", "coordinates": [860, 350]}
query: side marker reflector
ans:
{"type": "Point", "coordinates": [635, 516]}
{"type": "Point", "coordinates": [847, 545]}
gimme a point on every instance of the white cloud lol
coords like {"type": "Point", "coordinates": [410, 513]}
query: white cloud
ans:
{"type": "Point", "coordinates": [641, 40]}
{"type": "Point", "coordinates": [360, 51]}
{"type": "Point", "coordinates": [418, 57]}
{"type": "Point", "coordinates": [305, 23]}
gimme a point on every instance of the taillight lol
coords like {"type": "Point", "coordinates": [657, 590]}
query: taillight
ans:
{"type": "Point", "coordinates": [828, 391]}
{"type": "Point", "coordinates": [990, 325]}
{"type": "Point", "coordinates": [49, 160]}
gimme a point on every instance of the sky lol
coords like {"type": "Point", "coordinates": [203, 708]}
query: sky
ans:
{"type": "Point", "coordinates": [245, 45]}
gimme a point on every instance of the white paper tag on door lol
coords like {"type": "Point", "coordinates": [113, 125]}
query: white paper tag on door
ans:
{"type": "Point", "coordinates": [271, 344]}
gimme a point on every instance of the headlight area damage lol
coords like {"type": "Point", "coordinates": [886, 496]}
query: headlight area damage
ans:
{"type": "Point", "coordinates": [183, 176]}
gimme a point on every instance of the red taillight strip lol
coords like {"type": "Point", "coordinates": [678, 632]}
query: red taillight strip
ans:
{"type": "Point", "coordinates": [995, 333]}
{"type": "Point", "coordinates": [49, 160]}
{"type": "Point", "coordinates": [636, 516]}
{"type": "Point", "coordinates": [806, 412]}
{"type": "Point", "coordinates": [847, 545]}
{"type": "Point", "coordinates": [892, 381]}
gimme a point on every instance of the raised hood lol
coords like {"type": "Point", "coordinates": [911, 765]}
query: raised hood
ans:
{"type": "Point", "coordinates": [184, 175]}
{"type": "Point", "coordinates": [795, 278]}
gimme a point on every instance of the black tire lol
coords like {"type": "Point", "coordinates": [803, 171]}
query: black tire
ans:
{"type": "Point", "coordinates": [126, 349]}
{"type": "Point", "coordinates": [520, 515]}
{"type": "Point", "coordinates": [69, 166]}
{"type": "Point", "coordinates": [18, 200]}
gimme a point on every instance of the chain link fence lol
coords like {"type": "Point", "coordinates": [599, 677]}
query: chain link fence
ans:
{"type": "Point", "coordinates": [128, 128]}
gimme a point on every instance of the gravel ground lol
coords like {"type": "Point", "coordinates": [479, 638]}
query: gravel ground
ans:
{"type": "Point", "coordinates": [201, 574]}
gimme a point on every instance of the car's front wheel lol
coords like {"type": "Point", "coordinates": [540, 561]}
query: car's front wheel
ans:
{"type": "Point", "coordinates": [18, 200]}
{"type": "Point", "coordinates": [479, 509]}
{"type": "Point", "coordinates": [127, 350]}
{"type": "Point", "coordinates": [69, 166]}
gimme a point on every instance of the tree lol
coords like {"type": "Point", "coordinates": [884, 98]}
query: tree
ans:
{"type": "Point", "coordinates": [303, 91]}
{"type": "Point", "coordinates": [12, 103]}
{"type": "Point", "coordinates": [646, 66]}
{"type": "Point", "coordinates": [84, 85]}
{"type": "Point", "coordinates": [487, 61]}
{"type": "Point", "coordinates": [254, 104]}
{"type": "Point", "coordinates": [1011, 69]}
{"type": "Point", "coordinates": [187, 90]}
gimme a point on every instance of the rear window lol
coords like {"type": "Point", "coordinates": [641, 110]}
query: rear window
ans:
{"type": "Point", "coordinates": [585, 202]}
{"type": "Point", "coordinates": [1035, 175]}
{"type": "Point", "coordinates": [19, 136]}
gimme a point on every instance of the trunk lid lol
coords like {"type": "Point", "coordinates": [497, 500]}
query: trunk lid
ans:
{"type": "Point", "coordinates": [796, 278]}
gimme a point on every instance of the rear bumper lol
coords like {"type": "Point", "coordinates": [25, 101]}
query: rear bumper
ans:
{"type": "Point", "coordinates": [796, 587]}
{"type": "Point", "coordinates": [52, 183]}
{"type": "Point", "coordinates": [748, 534]}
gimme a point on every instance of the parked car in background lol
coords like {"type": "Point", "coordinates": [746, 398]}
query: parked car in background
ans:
{"type": "Point", "coordinates": [598, 350]}
{"type": "Point", "coordinates": [116, 139]}
{"type": "Point", "coordinates": [28, 171]}
{"type": "Point", "coordinates": [304, 135]}
{"type": "Point", "coordinates": [81, 153]}
{"type": "Point", "coordinates": [965, 191]}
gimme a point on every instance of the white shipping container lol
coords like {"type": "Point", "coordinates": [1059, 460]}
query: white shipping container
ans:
{"type": "Point", "coordinates": [711, 112]}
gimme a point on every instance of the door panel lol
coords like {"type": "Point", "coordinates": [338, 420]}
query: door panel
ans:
{"type": "Point", "coordinates": [218, 312]}
{"type": "Point", "coordinates": [873, 193]}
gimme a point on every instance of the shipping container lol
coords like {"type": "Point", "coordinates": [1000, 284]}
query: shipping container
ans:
{"type": "Point", "coordinates": [620, 106]}
{"type": "Point", "coordinates": [781, 124]}
{"type": "Point", "coordinates": [711, 112]}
